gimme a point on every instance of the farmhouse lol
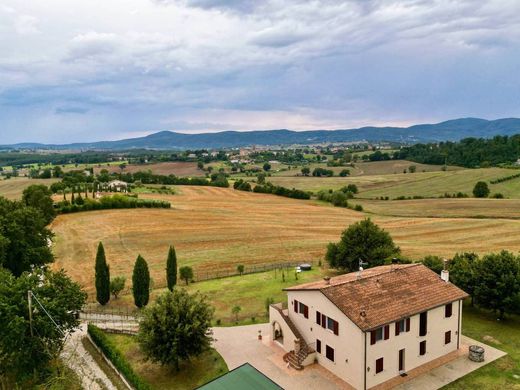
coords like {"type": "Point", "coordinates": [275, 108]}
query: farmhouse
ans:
{"type": "Point", "coordinates": [117, 186]}
{"type": "Point", "coordinates": [370, 326]}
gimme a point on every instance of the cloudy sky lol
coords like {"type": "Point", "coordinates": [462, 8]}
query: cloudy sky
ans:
{"type": "Point", "coordinates": [85, 70]}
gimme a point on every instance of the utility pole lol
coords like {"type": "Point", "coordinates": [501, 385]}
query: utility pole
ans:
{"type": "Point", "coordinates": [29, 299]}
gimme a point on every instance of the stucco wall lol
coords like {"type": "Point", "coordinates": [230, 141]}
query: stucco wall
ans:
{"type": "Point", "coordinates": [348, 344]}
{"type": "Point", "coordinates": [435, 347]}
{"type": "Point", "coordinates": [288, 335]}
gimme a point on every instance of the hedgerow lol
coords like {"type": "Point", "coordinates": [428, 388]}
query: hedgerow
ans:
{"type": "Point", "coordinates": [116, 357]}
{"type": "Point", "coordinates": [116, 201]}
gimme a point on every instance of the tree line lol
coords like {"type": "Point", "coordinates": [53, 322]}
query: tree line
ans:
{"type": "Point", "coordinates": [468, 152]}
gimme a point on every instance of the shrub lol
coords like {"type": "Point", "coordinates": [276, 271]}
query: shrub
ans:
{"type": "Point", "coordinates": [481, 190]}
{"type": "Point", "coordinates": [318, 172]}
{"type": "Point", "coordinates": [116, 357]}
{"type": "Point", "coordinates": [497, 195]}
{"type": "Point", "coordinates": [358, 207]}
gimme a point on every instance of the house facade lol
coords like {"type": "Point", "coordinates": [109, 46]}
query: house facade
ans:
{"type": "Point", "coordinates": [370, 327]}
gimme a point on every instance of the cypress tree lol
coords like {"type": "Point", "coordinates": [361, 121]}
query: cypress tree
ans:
{"type": "Point", "coordinates": [171, 268]}
{"type": "Point", "coordinates": [141, 282]}
{"type": "Point", "coordinates": [102, 276]}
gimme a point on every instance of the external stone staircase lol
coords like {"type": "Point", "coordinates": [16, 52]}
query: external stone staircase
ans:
{"type": "Point", "coordinates": [301, 350]}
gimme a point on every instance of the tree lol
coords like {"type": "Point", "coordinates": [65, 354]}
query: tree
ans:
{"type": "Point", "coordinates": [141, 282]}
{"type": "Point", "coordinates": [344, 172]}
{"type": "Point", "coordinates": [267, 167]}
{"type": "Point", "coordinates": [306, 171]}
{"type": "Point", "coordinates": [117, 285]}
{"type": "Point", "coordinates": [363, 241]}
{"type": "Point", "coordinates": [235, 310]}
{"type": "Point", "coordinates": [352, 188]}
{"type": "Point", "coordinates": [497, 282]}
{"type": "Point", "coordinates": [240, 269]}
{"type": "Point", "coordinates": [462, 271]}
{"type": "Point", "coordinates": [200, 165]}
{"type": "Point", "coordinates": [102, 276]}
{"type": "Point", "coordinates": [412, 168]}
{"type": "Point", "coordinates": [40, 197]}
{"type": "Point", "coordinates": [481, 190]}
{"type": "Point", "coordinates": [171, 268]}
{"type": "Point", "coordinates": [186, 274]}
{"type": "Point", "coordinates": [24, 237]}
{"type": "Point", "coordinates": [23, 354]}
{"type": "Point", "coordinates": [176, 328]}
{"type": "Point", "coordinates": [435, 263]}
{"type": "Point", "coordinates": [260, 178]}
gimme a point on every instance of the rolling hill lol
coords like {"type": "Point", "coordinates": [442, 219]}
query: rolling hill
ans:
{"type": "Point", "coordinates": [452, 130]}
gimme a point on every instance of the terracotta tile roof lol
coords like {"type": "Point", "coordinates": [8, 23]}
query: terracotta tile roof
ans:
{"type": "Point", "coordinates": [385, 294]}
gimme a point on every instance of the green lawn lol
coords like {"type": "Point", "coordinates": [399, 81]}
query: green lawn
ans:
{"type": "Point", "coordinates": [191, 374]}
{"type": "Point", "coordinates": [505, 335]}
{"type": "Point", "coordinates": [247, 291]}
{"type": "Point", "coordinates": [250, 293]}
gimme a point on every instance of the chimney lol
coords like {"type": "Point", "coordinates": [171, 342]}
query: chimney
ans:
{"type": "Point", "coordinates": [327, 280]}
{"type": "Point", "coordinates": [445, 274]}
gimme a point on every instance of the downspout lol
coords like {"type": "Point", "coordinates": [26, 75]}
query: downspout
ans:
{"type": "Point", "coordinates": [459, 320]}
{"type": "Point", "coordinates": [365, 366]}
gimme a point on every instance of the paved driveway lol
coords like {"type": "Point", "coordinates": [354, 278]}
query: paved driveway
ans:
{"type": "Point", "coordinates": [240, 344]}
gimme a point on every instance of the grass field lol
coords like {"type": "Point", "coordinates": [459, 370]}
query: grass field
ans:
{"type": "Point", "coordinates": [13, 188]}
{"type": "Point", "coordinates": [164, 168]}
{"type": "Point", "coordinates": [504, 335]}
{"type": "Point", "coordinates": [218, 228]}
{"type": "Point", "coordinates": [446, 207]}
{"type": "Point", "coordinates": [370, 168]}
{"type": "Point", "coordinates": [430, 184]}
{"type": "Point", "coordinates": [191, 374]}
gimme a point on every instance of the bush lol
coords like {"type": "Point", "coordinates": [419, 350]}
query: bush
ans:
{"type": "Point", "coordinates": [358, 207]}
{"type": "Point", "coordinates": [116, 357]}
{"type": "Point", "coordinates": [481, 190]}
{"type": "Point", "coordinates": [498, 195]}
{"type": "Point", "coordinates": [318, 172]}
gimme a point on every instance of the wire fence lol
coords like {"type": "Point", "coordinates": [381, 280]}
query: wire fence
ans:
{"type": "Point", "coordinates": [200, 276]}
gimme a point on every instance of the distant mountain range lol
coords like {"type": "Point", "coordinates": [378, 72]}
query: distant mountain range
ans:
{"type": "Point", "coordinates": [452, 130]}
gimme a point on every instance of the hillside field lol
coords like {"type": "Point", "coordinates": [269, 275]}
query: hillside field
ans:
{"type": "Point", "coordinates": [13, 188]}
{"type": "Point", "coordinates": [163, 168]}
{"type": "Point", "coordinates": [217, 228]}
{"type": "Point", "coordinates": [428, 184]}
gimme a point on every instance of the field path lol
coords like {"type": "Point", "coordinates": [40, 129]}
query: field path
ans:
{"type": "Point", "coordinates": [79, 360]}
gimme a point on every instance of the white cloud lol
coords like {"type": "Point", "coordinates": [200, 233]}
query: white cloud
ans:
{"type": "Point", "coordinates": [250, 64]}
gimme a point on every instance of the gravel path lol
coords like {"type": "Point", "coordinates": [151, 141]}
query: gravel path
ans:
{"type": "Point", "coordinates": [79, 360]}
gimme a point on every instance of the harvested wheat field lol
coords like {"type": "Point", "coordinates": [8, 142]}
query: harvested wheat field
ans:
{"type": "Point", "coordinates": [164, 168]}
{"type": "Point", "coordinates": [13, 188]}
{"type": "Point", "coordinates": [218, 228]}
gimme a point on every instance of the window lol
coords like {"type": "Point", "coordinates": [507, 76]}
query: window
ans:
{"type": "Point", "coordinates": [422, 348]}
{"type": "Point", "coordinates": [447, 337]}
{"type": "Point", "coordinates": [448, 309]}
{"type": "Point", "coordinates": [423, 323]}
{"type": "Point", "coordinates": [376, 335]}
{"type": "Point", "coordinates": [301, 308]}
{"type": "Point", "coordinates": [332, 325]}
{"type": "Point", "coordinates": [318, 346]}
{"type": "Point", "coordinates": [329, 353]}
{"type": "Point", "coordinates": [327, 322]}
{"type": "Point", "coordinates": [379, 365]}
{"type": "Point", "coordinates": [402, 326]}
